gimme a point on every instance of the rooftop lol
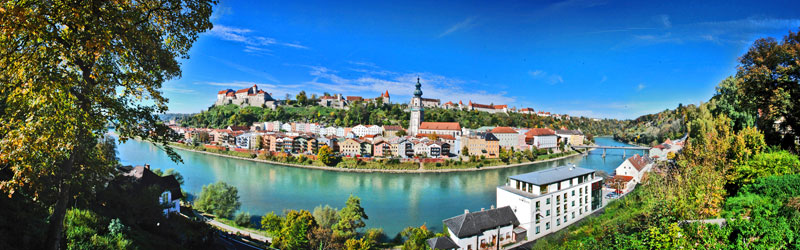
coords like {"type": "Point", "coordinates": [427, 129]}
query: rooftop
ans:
{"type": "Point", "coordinates": [504, 130]}
{"type": "Point", "coordinates": [443, 242]}
{"type": "Point", "coordinates": [552, 175]}
{"type": "Point", "coordinates": [440, 125]}
{"type": "Point", "coordinates": [474, 223]}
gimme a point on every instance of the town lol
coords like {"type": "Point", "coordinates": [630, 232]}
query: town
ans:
{"type": "Point", "coordinates": [429, 140]}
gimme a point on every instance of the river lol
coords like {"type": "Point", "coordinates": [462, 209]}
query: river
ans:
{"type": "Point", "coordinates": [392, 201]}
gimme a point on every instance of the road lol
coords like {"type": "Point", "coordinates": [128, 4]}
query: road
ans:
{"type": "Point", "coordinates": [231, 243]}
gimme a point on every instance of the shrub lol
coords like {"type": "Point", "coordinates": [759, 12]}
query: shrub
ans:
{"type": "Point", "coordinates": [242, 219]}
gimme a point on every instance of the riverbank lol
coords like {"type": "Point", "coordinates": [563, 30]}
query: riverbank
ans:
{"type": "Point", "coordinates": [422, 169]}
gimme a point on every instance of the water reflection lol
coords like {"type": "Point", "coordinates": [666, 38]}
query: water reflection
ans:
{"type": "Point", "coordinates": [393, 201]}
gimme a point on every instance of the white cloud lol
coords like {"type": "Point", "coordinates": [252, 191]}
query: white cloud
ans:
{"type": "Point", "coordinates": [640, 87]}
{"type": "Point", "coordinates": [547, 77]}
{"type": "Point", "coordinates": [576, 4]}
{"type": "Point", "coordinates": [245, 36]}
{"type": "Point", "coordinates": [251, 71]}
{"type": "Point", "coordinates": [465, 24]}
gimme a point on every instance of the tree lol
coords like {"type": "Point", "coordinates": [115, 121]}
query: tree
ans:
{"type": "Point", "coordinates": [401, 133]}
{"type": "Point", "coordinates": [769, 76]}
{"type": "Point", "coordinates": [219, 198]}
{"type": "Point", "coordinates": [201, 137]}
{"type": "Point", "coordinates": [326, 216]}
{"type": "Point", "coordinates": [86, 66]}
{"type": "Point", "coordinates": [301, 98]}
{"type": "Point", "coordinates": [84, 231]}
{"type": "Point", "coordinates": [465, 151]}
{"type": "Point", "coordinates": [271, 223]}
{"type": "Point", "coordinates": [325, 155]}
{"type": "Point", "coordinates": [729, 101]}
{"type": "Point", "coordinates": [294, 231]}
{"type": "Point", "coordinates": [416, 237]}
{"type": "Point", "coordinates": [351, 217]}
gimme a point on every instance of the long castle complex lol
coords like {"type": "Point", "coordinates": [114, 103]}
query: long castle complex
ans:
{"type": "Point", "coordinates": [251, 96]}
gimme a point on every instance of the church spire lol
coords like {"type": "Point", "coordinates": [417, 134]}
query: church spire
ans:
{"type": "Point", "coordinates": [418, 92]}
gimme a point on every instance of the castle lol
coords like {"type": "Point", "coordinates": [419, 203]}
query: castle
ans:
{"type": "Point", "coordinates": [251, 96]}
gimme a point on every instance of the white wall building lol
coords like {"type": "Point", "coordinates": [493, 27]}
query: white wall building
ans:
{"type": "Point", "coordinates": [541, 138]}
{"type": "Point", "coordinates": [485, 229]}
{"type": "Point", "coordinates": [548, 200]}
{"type": "Point", "coordinates": [509, 138]}
{"type": "Point", "coordinates": [635, 166]}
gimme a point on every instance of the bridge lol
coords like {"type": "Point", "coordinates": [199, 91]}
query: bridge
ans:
{"type": "Point", "coordinates": [624, 151]}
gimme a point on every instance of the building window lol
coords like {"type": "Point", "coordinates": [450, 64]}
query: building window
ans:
{"type": "Point", "coordinates": [537, 229]}
{"type": "Point", "coordinates": [573, 203]}
{"type": "Point", "coordinates": [565, 218]}
{"type": "Point", "coordinates": [537, 205]}
{"type": "Point", "coordinates": [573, 192]}
{"type": "Point", "coordinates": [573, 215]}
{"type": "Point", "coordinates": [547, 201]}
{"type": "Point", "coordinates": [558, 222]}
{"type": "Point", "coordinates": [547, 226]}
{"type": "Point", "coordinates": [558, 211]}
{"type": "Point", "coordinates": [547, 212]}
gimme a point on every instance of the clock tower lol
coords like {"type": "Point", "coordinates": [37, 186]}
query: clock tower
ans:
{"type": "Point", "coordinates": [417, 111]}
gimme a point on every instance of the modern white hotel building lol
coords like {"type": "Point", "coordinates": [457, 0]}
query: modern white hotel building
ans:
{"type": "Point", "coordinates": [548, 200]}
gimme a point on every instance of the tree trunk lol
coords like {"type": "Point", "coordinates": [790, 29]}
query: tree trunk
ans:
{"type": "Point", "coordinates": [56, 224]}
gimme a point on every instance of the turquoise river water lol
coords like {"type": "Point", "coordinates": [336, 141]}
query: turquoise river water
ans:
{"type": "Point", "coordinates": [392, 201]}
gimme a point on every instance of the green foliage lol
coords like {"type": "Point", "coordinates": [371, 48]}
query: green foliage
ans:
{"type": "Point", "coordinates": [326, 216]}
{"type": "Point", "coordinates": [769, 87]}
{"type": "Point", "coordinates": [294, 231]}
{"type": "Point", "coordinates": [242, 219]}
{"type": "Point", "coordinates": [271, 223]}
{"type": "Point", "coordinates": [219, 198]}
{"type": "Point", "coordinates": [729, 101]}
{"type": "Point", "coordinates": [766, 164]}
{"type": "Point", "coordinates": [84, 230]}
{"type": "Point", "coordinates": [646, 129]}
{"type": "Point", "coordinates": [416, 237]}
{"type": "Point", "coordinates": [351, 217]}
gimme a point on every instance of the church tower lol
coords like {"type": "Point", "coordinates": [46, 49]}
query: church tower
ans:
{"type": "Point", "coordinates": [417, 111]}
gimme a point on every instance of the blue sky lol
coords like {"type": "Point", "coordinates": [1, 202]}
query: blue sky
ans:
{"type": "Point", "coordinates": [605, 59]}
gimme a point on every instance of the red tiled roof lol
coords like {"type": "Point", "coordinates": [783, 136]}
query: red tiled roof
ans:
{"type": "Point", "coordinates": [526, 109]}
{"type": "Point", "coordinates": [446, 137]}
{"type": "Point", "coordinates": [242, 90]}
{"type": "Point", "coordinates": [500, 106]}
{"type": "Point", "coordinates": [327, 97]}
{"type": "Point", "coordinates": [638, 162]}
{"type": "Point", "coordinates": [622, 178]}
{"type": "Point", "coordinates": [539, 132]}
{"type": "Point", "coordinates": [230, 94]}
{"type": "Point", "coordinates": [224, 91]}
{"type": "Point", "coordinates": [477, 105]}
{"type": "Point", "coordinates": [440, 125]}
{"type": "Point", "coordinates": [354, 98]}
{"type": "Point", "coordinates": [449, 103]}
{"type": "Point", "coordinates": [385, 94]}
{"type": "Point", "coordinates": [503, 130]}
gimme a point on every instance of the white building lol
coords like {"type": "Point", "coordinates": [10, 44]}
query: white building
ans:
{"type": "Point", "coordinates": [417, 111]}
{"type": "Point", "coordinates": [548, 200]}
{"type": "Point", "coordinates": [364, 130]}
{"type": "Point", "coordinates": [541, 138]}
{"type": "Point", "coordinates": [635, 166]}
{"type": "Point", "coordinates": [486, 229]}
{"type": "Point", "coordinates": [509, 138]}
{"type": "Point", "coordinates": [144, 178]}
{"type": "Point", "coordinates": [660, 151]}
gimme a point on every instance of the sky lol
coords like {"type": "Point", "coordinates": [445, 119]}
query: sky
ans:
{"type": "Point", "coordinates": [593, 58]}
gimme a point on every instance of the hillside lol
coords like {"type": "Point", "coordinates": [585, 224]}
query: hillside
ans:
{"type": "Point", "coordinates": [222, 116]}
{"type": "Point", "coordinates": [652, 129]}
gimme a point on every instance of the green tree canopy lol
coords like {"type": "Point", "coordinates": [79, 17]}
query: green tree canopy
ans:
{"type": "Point", "coordinates": [351, 217]}
{"type": "Point", "coordinates": [71, 69]}
{"type": "Point", "coordinates": [219, 198]}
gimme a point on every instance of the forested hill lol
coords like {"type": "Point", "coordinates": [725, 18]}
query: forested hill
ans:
{"type": "Point", "coordinates": [222, 116]}
{"type": "Point", "coordinates": [652, 129]}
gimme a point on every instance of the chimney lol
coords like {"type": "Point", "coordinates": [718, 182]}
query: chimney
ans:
{"type": "Point", "coordinates": [466, 211]}
{"type": "Point", "coordinates": [147, 166]}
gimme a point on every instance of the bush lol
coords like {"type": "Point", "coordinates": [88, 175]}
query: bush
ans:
{"type": "Point", "coordinates": [242, 219]}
